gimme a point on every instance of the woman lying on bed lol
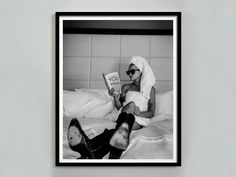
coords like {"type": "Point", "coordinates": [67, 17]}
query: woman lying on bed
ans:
{"type": "Point", "coordinates": [136, 105]}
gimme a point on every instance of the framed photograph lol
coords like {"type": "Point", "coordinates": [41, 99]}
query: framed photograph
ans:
{"type": "Point", "coordinates": [118, 88]}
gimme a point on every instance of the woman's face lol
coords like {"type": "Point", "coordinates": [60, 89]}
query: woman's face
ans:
{"type": "Point", "coordinates": [136, 75]}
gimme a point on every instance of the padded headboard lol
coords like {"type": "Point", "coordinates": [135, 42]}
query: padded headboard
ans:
{"type": "Point", "coordinates": [87, 56]}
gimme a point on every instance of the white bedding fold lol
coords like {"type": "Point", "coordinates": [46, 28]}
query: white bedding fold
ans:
{"type": "Point", "coordinates": [142, 147]}
{"type": "Point", "coordinates": [152, 142]}
{"type": "Point", "coordinates": [87, 103]}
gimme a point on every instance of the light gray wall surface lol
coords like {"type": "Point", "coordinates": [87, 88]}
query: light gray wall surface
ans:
{"type": "Point", "coordinates": [27, 66]}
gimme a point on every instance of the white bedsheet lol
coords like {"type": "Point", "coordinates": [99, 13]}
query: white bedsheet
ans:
{"type": "Point", "coordinates": [152, 142]}
{"type": "Point", "coordinates": [96, 111]}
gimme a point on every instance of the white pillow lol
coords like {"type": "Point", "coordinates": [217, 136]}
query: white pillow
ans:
{"type": "Point", "coordinates": [98, 93]}
{"type": "Point", "coordinates": [164, 103]}
{"type": "Point", "coordinates": [87, 103]}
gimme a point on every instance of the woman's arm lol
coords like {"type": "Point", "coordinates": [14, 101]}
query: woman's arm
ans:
{"type": "Point", "coordinates": [151, 106]}
{"type": "Point", "coordinates": [117, 102]}
{"type": "Point", "coordinates": [119, 99]}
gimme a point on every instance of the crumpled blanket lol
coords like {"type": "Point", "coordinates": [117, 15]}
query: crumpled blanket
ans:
{"type": "Point", "coordinates": [87, 103]}
{"type": "Point", "coordinates": [152, 142]}
{"type": "Point", "coordinates": [142, 147]}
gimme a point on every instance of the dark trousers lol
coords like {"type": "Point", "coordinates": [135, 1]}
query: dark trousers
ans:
{"type": "Point", "coordinates": [99, 146]}
{"type": "Point", "coordinates": [102, 147]}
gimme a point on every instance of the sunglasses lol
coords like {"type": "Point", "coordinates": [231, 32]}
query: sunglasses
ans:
{"type": "Point", "coordinates": [132, 71]}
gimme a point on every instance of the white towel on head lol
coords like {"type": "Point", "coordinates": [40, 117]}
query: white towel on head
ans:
{"type": "Point", "coordinates": [148, 78]}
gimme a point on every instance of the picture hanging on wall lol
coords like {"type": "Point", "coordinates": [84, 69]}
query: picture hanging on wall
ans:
{"type": "Point", "coordinates": [118, 88]}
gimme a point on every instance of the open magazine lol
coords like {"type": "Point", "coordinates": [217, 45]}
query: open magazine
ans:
{"type": "Point", "coordinates": [112, 80]}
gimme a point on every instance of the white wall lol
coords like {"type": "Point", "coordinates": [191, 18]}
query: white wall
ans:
{"type": "Point", "coordinates": [27, 88]}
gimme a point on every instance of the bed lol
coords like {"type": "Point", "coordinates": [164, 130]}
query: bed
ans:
{"type": "Point", "coordinates": [95, 110]}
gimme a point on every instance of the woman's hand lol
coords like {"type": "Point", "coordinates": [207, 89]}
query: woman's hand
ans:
{"type": "Point", "coordinates": [137, 111]}
{"type": "Point", "coordinates": [111, 93]}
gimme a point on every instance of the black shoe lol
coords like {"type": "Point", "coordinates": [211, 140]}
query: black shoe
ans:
{"type": "Point", "coordinates": [115, 153]}
{"type": "Point", "coordinates": [79, 141]}
{"type": "Point", "coordinates": [121, 118]}
{"type": "Point", "coordinates": [120, 138]}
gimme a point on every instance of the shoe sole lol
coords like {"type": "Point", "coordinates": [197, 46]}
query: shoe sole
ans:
{"type": "Point", "coordinates": [118, 140]}
{"type": "Point", "coordinates": [85, 139]}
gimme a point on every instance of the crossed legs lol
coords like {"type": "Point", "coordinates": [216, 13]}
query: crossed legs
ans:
{"type": "Point", "coordinates": [130, 109]}
{"type": "Point", "coordinates": [114, 141]}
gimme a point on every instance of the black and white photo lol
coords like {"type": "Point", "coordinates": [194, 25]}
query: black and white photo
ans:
{"type": "Point", "coordinates": [118, 88]}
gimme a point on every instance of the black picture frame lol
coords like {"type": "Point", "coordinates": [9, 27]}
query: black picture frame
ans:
{"type": "Point", "coordinates": [60, 29]}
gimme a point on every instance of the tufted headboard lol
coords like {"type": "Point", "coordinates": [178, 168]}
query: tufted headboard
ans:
{"type": "Point", "coordinates": [86, 56]}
